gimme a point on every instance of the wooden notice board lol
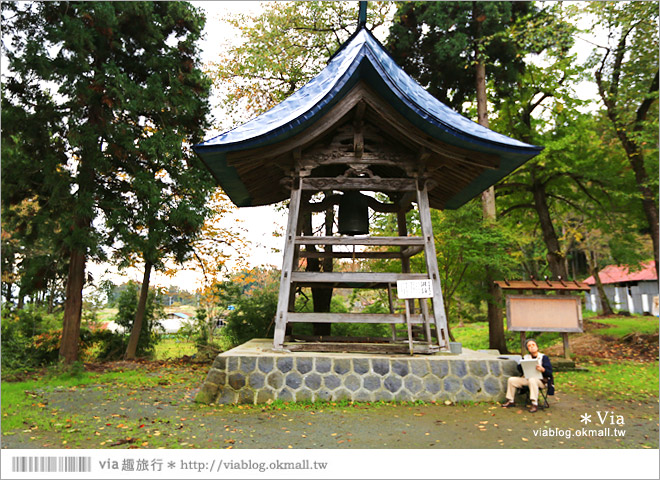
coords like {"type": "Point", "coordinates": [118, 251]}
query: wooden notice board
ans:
{"type": "Point", "coordinates": [544, 313]}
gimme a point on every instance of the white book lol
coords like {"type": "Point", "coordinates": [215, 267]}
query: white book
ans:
{"type": "Point", "coordinates": [529, 369]}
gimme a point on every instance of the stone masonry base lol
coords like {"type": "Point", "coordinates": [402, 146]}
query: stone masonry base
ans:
{"type": "Point", "coordinates": [254, 373]}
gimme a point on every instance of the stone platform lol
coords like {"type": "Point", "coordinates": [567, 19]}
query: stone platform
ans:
{"type": "Point", "coordinates": [254, 373]}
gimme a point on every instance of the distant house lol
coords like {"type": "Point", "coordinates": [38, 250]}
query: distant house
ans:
{"type": "Point", "coordinates": [630, 291]}
{"type": "Point", "coordinates": [173, 321]}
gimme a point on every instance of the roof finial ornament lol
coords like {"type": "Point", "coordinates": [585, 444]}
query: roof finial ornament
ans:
{"type": "Point", "coordinates": [362, 15]}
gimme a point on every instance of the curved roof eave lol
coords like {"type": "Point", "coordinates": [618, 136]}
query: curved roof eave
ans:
{"type": "Point", "coordinates": [413, 101]}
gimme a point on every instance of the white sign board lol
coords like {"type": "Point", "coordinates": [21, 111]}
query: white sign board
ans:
{"type": "Point", "coordinates": [414, 289]}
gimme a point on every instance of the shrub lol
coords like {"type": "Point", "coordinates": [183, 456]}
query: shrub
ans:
{"type": "Point", "coordinates": [126, 308]}
{"type": "Point", "coordinates": [30, 338]}
{"type": "Point", "coordinates": [254, 296]}
{"type": "Point", "coordinates": [108, 345]}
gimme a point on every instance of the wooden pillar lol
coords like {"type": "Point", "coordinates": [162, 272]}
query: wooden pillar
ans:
{"type": "Point", "coordinates": [287, 265]}
{"type": "Point", "coordinates": [439, 315]}
{"type": "Point", "coordinates": [567, 349]}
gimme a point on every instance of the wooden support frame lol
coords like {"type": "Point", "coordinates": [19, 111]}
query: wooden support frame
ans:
{"type": "Point", "coordinates": [439, 315]}
{"type": "Point", "coordinates": [407, 190]}
{"type": "Point", "coordinates": [287, 266]}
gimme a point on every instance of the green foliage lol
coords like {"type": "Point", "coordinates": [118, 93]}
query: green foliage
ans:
{"type": "Point", "coordinates": [254, 295]}
{"type": "Point", "coordinates": [108, 345]}
{"type": "Point", "coordinates": [31, 338]}
{"type": "Point", "coordinates": [437, 42]}
{"type": "Point", "coordinates": [622, 326]}
{"type": "Point", "coordinates": [268, 66]}
{"type": "Point", "coordinates": [173, 348]}
{"type": "Point", "coordinates": [127, 304]}
{"type": "Point", "coordinates": [28, 337]}
{"type": "Point", "coordinates": [115, 93]}
{"type": "Point", "coordinates": [465, 246]}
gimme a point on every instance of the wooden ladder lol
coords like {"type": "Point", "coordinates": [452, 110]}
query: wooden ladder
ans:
{"type": "Point", "coordinates": [290, 278]}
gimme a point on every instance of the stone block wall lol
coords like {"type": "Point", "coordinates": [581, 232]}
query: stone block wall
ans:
{"type": "Point", "coordinates": [260, 377]}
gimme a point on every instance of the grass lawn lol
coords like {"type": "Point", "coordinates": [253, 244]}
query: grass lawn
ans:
{"type": "Point", "coordinates": [475, 337]}
{"type": "Point", "coordinates": [622, 326]}
{"type": "Point", "coordinates": [24, 408]}
{"type": "Point", "coordinates": [171, 348]}
{"type": "Point", "coordinates": [617, 380]}
{"type": "Point", "coordinates": [114, 400]}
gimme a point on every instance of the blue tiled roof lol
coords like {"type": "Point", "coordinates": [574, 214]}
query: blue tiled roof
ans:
{"type": "Point", "coordinates": [362, 58]}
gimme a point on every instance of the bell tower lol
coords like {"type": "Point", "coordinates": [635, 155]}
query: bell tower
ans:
{"type": "Point", "coordinates": [362, 137]}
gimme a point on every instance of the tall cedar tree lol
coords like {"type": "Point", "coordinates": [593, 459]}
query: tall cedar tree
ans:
{"type": "Point", "coordinates": [114, 74]}
{"type": "Point", "coordinates": [436, 43]}
{"type": "Point", "coordinates": [447, 47]}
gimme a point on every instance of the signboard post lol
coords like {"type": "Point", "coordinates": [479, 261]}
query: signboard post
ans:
{"type": "Point", "coordinates": [544, 313]}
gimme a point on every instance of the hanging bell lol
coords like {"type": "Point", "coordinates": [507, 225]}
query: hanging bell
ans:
{"type": "Point", "coordinates": [353, 214]}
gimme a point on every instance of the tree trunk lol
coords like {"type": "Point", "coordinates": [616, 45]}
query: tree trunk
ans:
{"type": "Point", "coordinates": [648, 201]}
{"type": "Point", "coordinates": [73, 307]}
{"type": "Point", "coordinates": [131, 349]}
{"type": "Point", "coordinates": [8, 292]}
{"type": "Point", "coordinates": [21, 299]}
{"type": "Point", "coordinates": [555, 258]}
{"type": "Point", "coordinates": [594, 270]}
{"type": "Point", "coordinates": [496, 339]}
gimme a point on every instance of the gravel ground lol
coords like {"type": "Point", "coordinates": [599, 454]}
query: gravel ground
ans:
{"type": "Point", "coordinates": [166, 416]}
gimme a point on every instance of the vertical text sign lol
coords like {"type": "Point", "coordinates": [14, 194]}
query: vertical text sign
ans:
{"type": "Point", "coordinates": [414, 289]}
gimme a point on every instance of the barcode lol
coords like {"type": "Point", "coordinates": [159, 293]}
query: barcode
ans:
{"type": "Point", "coordinates": [51, 464]}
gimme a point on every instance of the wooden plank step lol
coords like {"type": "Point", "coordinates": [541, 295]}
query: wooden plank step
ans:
{"type": "Point", "coordinates": [353, 318]}
{"type": "Point", "coordinates": [406, 252]}
{"type": "Point", "coordinates": [375, 278]}
{"type": "Point", "coordinates": [339, 347]}
{"type": "Point", "coordinates": [349, 240]}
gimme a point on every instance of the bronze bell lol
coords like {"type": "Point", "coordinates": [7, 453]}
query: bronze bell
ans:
{"type": "Point", "coordinates": [353, 213]}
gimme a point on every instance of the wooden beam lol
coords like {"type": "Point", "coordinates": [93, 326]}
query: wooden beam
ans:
{"type": "Point", "coordinates": [334, 157]}
{"type": "Point", "coordinates": [287, 265]}
{"type": "Point", "coordinates": [549, 285]}
{"type": "Point", "coordinates": [348, 240]}
{"type": "Point", "coordinates": [354, 277]}
{"type": "Point", "coordinates": [371, 255]}
{"type": "Point", "coordinates": [404, 253]}
{"type": "Point", "coordinates": [335, 339]}
{"type": "Point", "coordinates": [328, 201]}
{"type": "Point", "coordinates": [439, 315]}
{"type": "Point", "coordinates": [353, 318]}
{"type": "Point", "coordinates": [383, 348]}
{"type": "Point", "coordinates": [375, 184]}
{"type": "Point", "coordinates": [360, 108]}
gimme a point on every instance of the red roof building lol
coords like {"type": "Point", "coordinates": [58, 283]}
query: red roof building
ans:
{"type": "Point", "coordinates": [635, 291]}
{"type": "Point", "coordinates": [622, 274]}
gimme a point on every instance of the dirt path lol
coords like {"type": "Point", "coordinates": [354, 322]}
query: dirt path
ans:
{"type": "Point", "coordinates": [166, 416]}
